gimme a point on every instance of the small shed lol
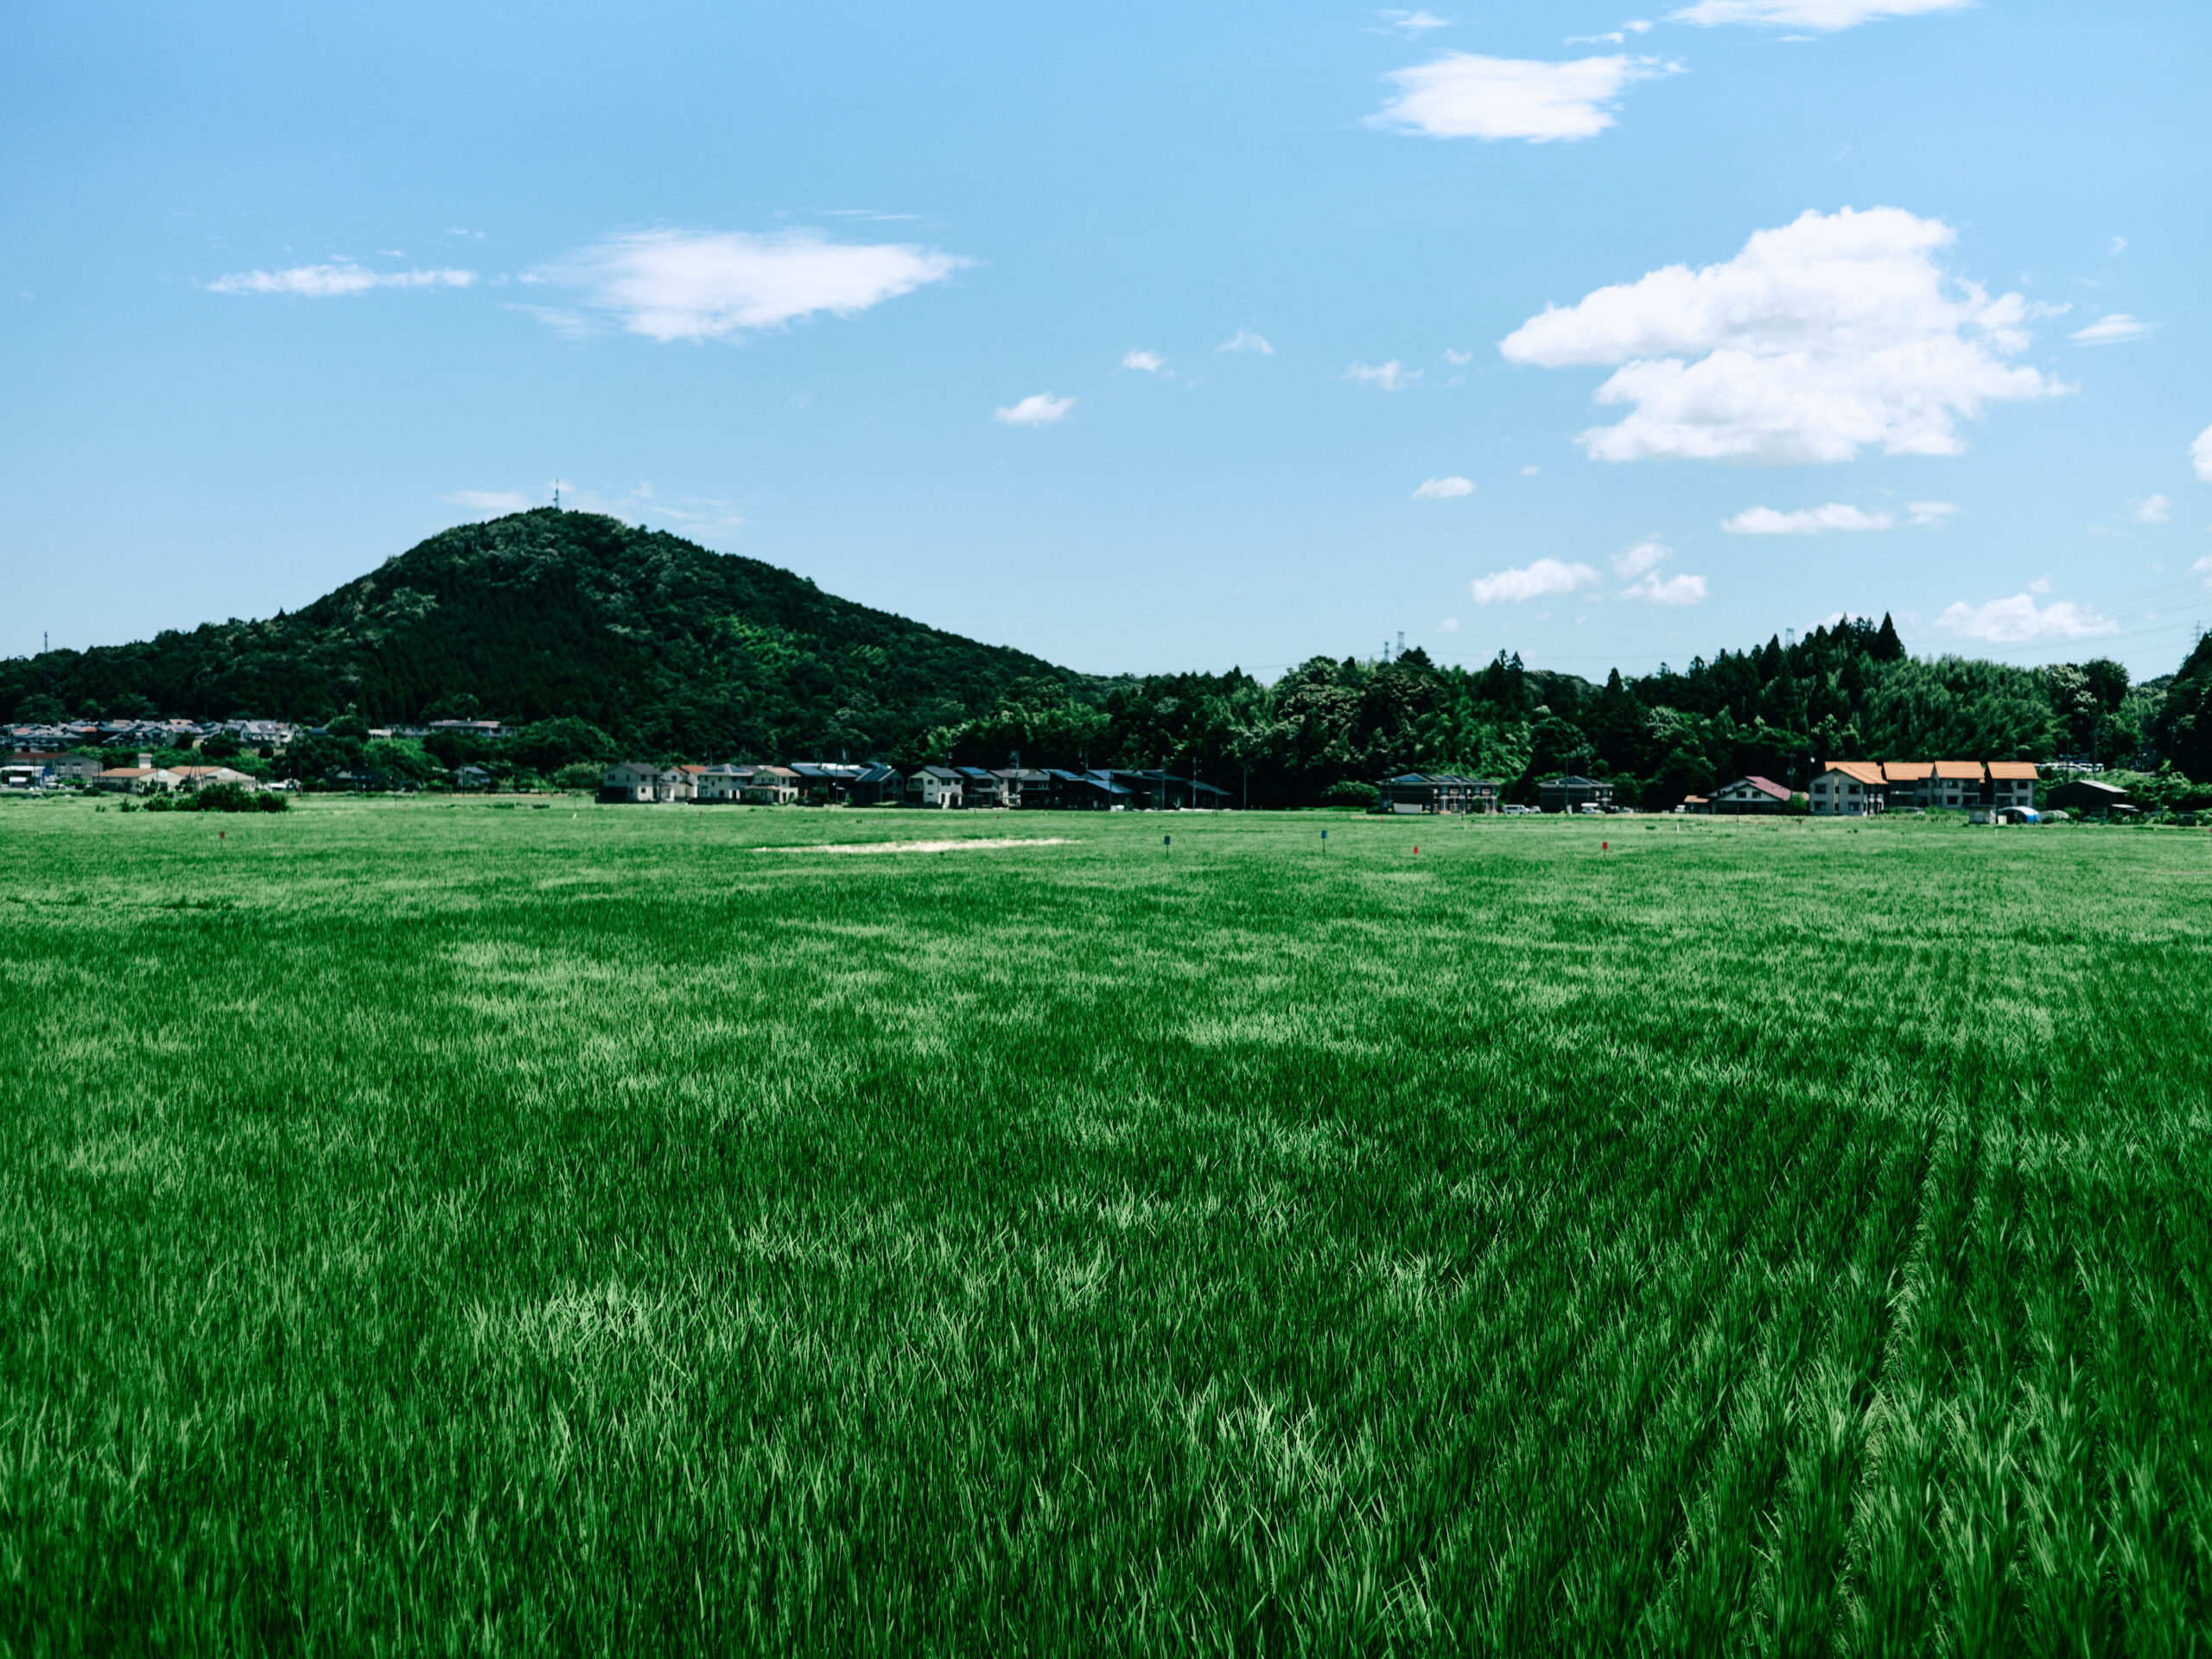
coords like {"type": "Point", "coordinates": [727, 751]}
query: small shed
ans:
{"type": "Point", "coordinates": [2088, 795]}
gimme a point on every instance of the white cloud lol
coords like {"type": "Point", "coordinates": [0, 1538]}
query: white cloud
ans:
{"type": "Point", "coordinates": [1390, 377]}
{"type": "Point", "coordinates": [1449, 625]}
{"type": "Point", "coordinates": [1444, 489]}
{"type": "Point", "coordinates": [1150, 362]}
{"type": "Point", "coordinates": [2115, 329]}
{"type": "Point", "coordinates": [1039, 409]}
{"type": "Point", "coordinates": [2040, 585]}
{"type": "Point", "coordinates": [1461, 95]}
{"type": "Point", "coordinates": [1413, 25]}
{"type": "Point", "coordinates": [2204, 566]}
{"type": "Point", "coordinates": [1931, 512]}
{"type": "Point", "coordinates": [1820, 338]}
{"type": "Point", "coordinates": [2199, 455]}
{"type": "Point", "coordinates": [1245, 341]}
{"type": "Point", "coordinates": [1458, 358]}
{"type": "Point", "coordinates": [325, 281]}
{"type": "Point", "coordinates": [2118, 246]}
{"type": "Point", "coordinates": [2019, 620]}
{"type": "Point", "coordinates": [2153, 510]}
{"type": "Point", "coordinates": [676, 285]}
{"type": "Point", "coordinates": [1644, 556]}
{"type": "Point", "coordinates": [1538, 581]}
{"type": "Point", "coordinates": [1808, 13]}
{"type": "Point", "coordinates": [1805, 521]}
{"type": "Point", "coordinates": [1530, 470]}
{"type": "Point", "coordinates": [492, 501]}
{"type": "Point", "coordinates": [1675, 590]}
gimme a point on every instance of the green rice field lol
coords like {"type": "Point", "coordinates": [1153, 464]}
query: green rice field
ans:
{"type": "Point", "coordinates": [494, 1228]}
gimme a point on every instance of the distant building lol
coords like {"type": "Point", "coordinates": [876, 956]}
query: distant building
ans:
{"type": "Point", "coordinates": [1024, 786]}
{"type": "Point", "coordinates": [2012, 784]}
{"type": "Point", "coordinates": [1750, 795]}
{"type": "Point", "coordinates": [2087, 795]}
{"type": "Point", "coordinates": [722, 783]}
{"type": "Point", "coordinates": [1415, 792]}
{"type": "Point", "coordinates": [771, 786]}
{"type": "Point", "coordinates": [826, 783]}
{"type": "Point", "coordinates": [877, 786]}
{"type": "Point", "coordinates": [1086, 791]}
{"type": "Point", "coordinates": [642, 782]}
{"type": "Point", "coordinates": [474, 777]}
{"type": "Point", "coordinates": [1909, 782]}
{"type": "Point", "coordinates": [196, 778]}
{"type": "Point", "coordinates": [1957, 785]}
{"type": "Point", "coordinates": [1848, 789]}
{"type": "Point", "coordinates": [938, 786]}
{"type": "Point", "coordinates": [981, 788]}
{"type": "Point", "coordinates": [72, 765]}
{"type": "Point", "coordinates": [145, 779]}
{"type": "Point", "coordinates": [1568, 793]}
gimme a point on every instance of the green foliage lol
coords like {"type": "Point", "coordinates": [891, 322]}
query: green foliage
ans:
{"type": "Point", "coordinates": [230, 797]}
{"type": "Point", "coordinates": [582, 775]}
{"type": "Point", "coordinates": [1351, 792]}
{"type": "Point", "coordinates": [1762, 1237]}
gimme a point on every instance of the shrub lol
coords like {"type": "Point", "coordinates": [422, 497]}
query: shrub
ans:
{"type": "Point", "coordinates": [1351, 792]}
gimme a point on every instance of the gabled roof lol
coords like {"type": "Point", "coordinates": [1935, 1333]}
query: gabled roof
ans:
{"type": "Point", "coordinates": [2113, 790]}
{"type": "Point", "coordinates": [1906, 771]}
{"type": "Point", "coordinates": [1766, 786]}
{"type": "Point", "coordinates": [1967, 771]}
{"type": "Point", "coordinates": [942, 774]}
{"type": "Point", "coordinates": [877, 774]}
{"type": "Point", "coordinates": [2015, 771]}
{"type": "Point", "coordinates": [1570, 781]}
{"type": "Point", "coordinates": [692, 772]}
{"type": "Point", "coordinates": [1865, 770]}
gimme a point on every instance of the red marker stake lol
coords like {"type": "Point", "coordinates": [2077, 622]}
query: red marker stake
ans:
{"type": "Point", "coordinates": [1604, 846]}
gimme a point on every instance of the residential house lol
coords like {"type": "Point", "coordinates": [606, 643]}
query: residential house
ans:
{"type": "Point", "coordinates": [23, 774]}
{"type": "Point", "coordinates": [1024, 786]}
{"type": "Point", "coordinates": [1415, 793]}
{"type": "Point", "coordinates": [1754, 794]}
{"type": "Point", "coordinates": [196, 778]}
{"type": "Point", "coordinates": [1085, 791]}
{"type": "Point", "coordinates": [981, 788]}
{"type": "Point", "coordinates": [939, 786]}
{"type": "Point", "coordinates": [722, 783]}
{"type": "Point", "coordinates": [65, 765]}
{"type": "Point", "coordinates": [1910, 782]}
{"type": "Point", "coordinates": [642, 783]}
{"type": "Point", "coordinates": [771, 786]}
{"type": "Point", "coordinates": [2012, 784]}
{"type": "Point", "coordinates": [1957, 785]}
{"type": "Point", "coordinates": [826, 783]}
{"type": "Point", "coordinates": [1847, 789]}
{"type": "Point", "coordinates": [1568, 793]}
{"type": "Point", "coordinates": [474, 777]}
{"type": "Point", "coordinates": [145, 779]}
{"type": "Point", "coordinates": [876, 786]}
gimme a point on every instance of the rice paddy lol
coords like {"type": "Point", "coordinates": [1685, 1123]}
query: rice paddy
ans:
{"type": "Point", "coordinates": [437, 1228]}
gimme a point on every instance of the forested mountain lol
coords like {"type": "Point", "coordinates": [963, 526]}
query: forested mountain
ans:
{"type": "Point", "coordinates": [650, 638]}
{"type": "Point", "coordinates": [608, 639]}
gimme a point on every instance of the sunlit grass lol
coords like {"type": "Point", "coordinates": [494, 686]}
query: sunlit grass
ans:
{"type": "Point", "coordinates": [469, 1227]}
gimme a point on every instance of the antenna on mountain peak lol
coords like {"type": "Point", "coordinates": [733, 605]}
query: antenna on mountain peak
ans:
{"type": "Point", "coordinates": [557, 497]}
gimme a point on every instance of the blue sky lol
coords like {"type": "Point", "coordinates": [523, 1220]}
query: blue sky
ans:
{"type": "Point", "coordinates": [1142, 338]}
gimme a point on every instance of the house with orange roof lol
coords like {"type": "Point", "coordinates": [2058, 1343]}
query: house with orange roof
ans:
{"type": "Point", "coordinates": [1956, 784]}
{"type": "Point", "coordinates": [1907, 781]}
{"type": "Point", "coordinates": [1848, 789]}
{"type": "Point", "coordinates": [2011, 783]}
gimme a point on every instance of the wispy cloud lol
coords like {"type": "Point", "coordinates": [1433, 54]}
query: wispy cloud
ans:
{"type": "Point", "coordinates": [1444, 489]}
{"type": "Point", "coordinates": [333, 280]}
{"type": "Point", "coordinates": [2199, 455]}
{"type": "Point", "coordinates": [1462, 95]}
{"type": "Point", "coordinates": [1389, 377]}
{"type": "Point", "coordinates": [673, 285]}
{"type": "Point", "coordinates": [2019, 620]}
{"type": "Point", "coordinates": [2152, 509]}
{"type": "Point", "coordinates": [1147, 362]}
{"type": "Point", "coordinates": [1412, 24]}
{"type": "Point", "coordinates": [2117, 329]}
{"type": "Point", "coordinates": [1541, 580]}
{"type": "Point", "coordinates": [1245, 341]}
{"type": "Point", "coordinates": [1449, 625]}
{"type": "Point", "coordinates": [1039, 409]}
{"type": "Point", "coordinates": [1644, 556]}
{"type": "Point", "coordinates": [1805, 521]}
{"type": "Point", "coordinates": [1931, 512]}
{"type": "Point", "coordinates": [1642, 561]}
{"type": "Point", "coordinates": [1827, 15]}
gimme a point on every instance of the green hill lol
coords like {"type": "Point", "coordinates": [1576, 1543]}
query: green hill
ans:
{"type": "Point", "coordinates": [662, 643]}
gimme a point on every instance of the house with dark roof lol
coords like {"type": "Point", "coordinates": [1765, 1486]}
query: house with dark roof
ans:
{"type": "Point", "coordinates": [1568, 793]}
{"type": "Point", "coordinates": [2088, 794]}
{"type": "Point", "coordinates": [1024, 786]}
{"type": "Point", "coordinates": [981, 788]}
{"type": "Point", "coordinates": [1086, 791]}
{"type": "Point", "coordinates": [877, 786]}
{"type": "Point", "coordinates": [937, 787]}
{"type": "Point", "coordinates": [1415, 793]}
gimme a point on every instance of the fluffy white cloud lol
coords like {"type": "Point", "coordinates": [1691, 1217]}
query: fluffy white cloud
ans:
{"type": "Point", "coordinates": [2199, 455]}
{"type": "Point", "coordinates": [1820, 338]}
{"type": "Point", "coordinates": [1931, 512]}
{"type": "Point", "coordinates": [2116, 328]}
{"type": "Point", "coordinates": [1390, 377]}
{"type": "Point", "coordinates": [1039, 409]}
{"type": "Point", "coordinates": [2153, 509]}
{"type": "Point", "coordinates": [1449, 625]}
{"type": "Point", "coordinates": [325, 281]}
{"type": "Point", "coordinates": [1808, 13]}
{"type": "Point", "coordinates": [1805, 521]}
{"type": "Point", "coordinates": [2019, 620]}
{"type": "Point", "coordinates": [1673, 590]}
{"type": "Point", "coordinates": [1444, 489]}
{"type": "Point", "coordinates": [676, 285]}
{"type": "Point", "coordinates": [1150, 362]}
{"type": "Point", "coordinates": [1644, 556]}
{"type": "Point", "coordinates": [1538, 581]}
{"type": "Point", "coordinates": [1245, 341]}
{"type": "Point", "coordinates": [1413, 25]}
{"type": "Point", "coordinates": [1461, 95]}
